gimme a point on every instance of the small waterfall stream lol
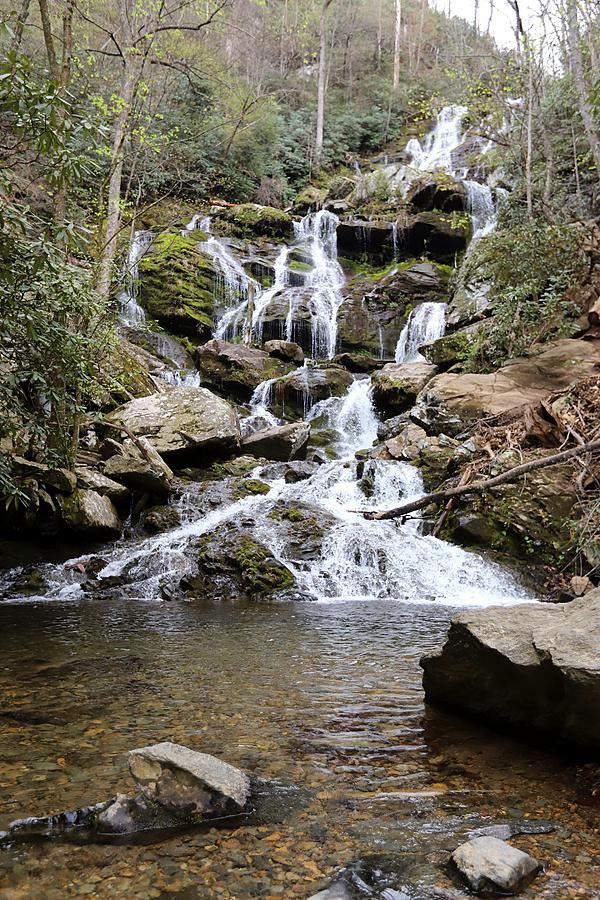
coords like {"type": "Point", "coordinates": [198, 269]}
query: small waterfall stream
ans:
{"type": "Point", "coordinates": [427, 322]}
{"type": "Point", "coordinates": [130, 312]}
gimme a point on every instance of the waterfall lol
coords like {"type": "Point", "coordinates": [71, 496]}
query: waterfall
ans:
{"type": "Point", "coordinates": [317, 233]}
{"type": "Point", "coordinates": [426, 322]}
{"type": "Point", "coordinates": [233, 288]}
{"type": "Point", "coordinates": [262, 301]}
{"type": "Point", "coordinates": [483, 210]}
{"type": "Point", "coordinates": [441, 142]}
{"type": "Point", "coordinates": [130, 312]}
{"type": "Point", "coordinates": [260, 414]}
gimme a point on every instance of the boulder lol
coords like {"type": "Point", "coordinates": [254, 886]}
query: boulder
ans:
{"type": "Point", "coordinates": [236, 369]}
{"type": "Point", "coordinates": [188, 783]}
{"type": "Point", "coordinates": [245, 219]}
{"type": "Point", "coordinates": [358, 363]}
{"type": "Point", "coordinates": [452, 348]}
{"type": "Point", "coordinates": [90, 515]}
{"type": "Point", "coordinates": [161, 518]}
{"type": "Point", "coordinates": [449, 402]}
{"type": "Point", "coordinates": [301, 389]}
{"type": "Point", "coordinates": [282, 442]}
{"type": "Point", "coordinates": [287, 351]}
{"type": "Point", "coordinates": [397, 385]}
{"type": "Point", "coordinates": [534, 668]}
{"type": "Point", "coordinates": [438, 191]}
{"type": "Point", "coordinates": [139, 475]}
{"type": "Point", "coordinates": [436, 235]}
{"type": "Point", "coordinates": [491, 866]}
{"type": "Point", "coordinates": [60, 479]}
{"type": "Point", "coordinates": [233, 565]}
{"type": "Point", "coordinates": [133, 815]}
{"type": "Point", "coordinates": [358, 238]}
{"type": "Point", "coordinates": [91, 480]}
{"type": "Point", "coordinates": [185, 424]}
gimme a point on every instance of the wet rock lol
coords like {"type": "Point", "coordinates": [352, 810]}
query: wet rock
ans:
{"type": "Point", "coordinates": [281, 442]}
{"type": "Point", "coordinates": [177, 282]}
{"type": "Point", "coordinates": [491, 867]}
{"type": "Point", "coordinates": [435, 235]}
{"type": "Point", "coordinates": [131, 815]}
{"type": "Point", "coordinates": [453, 348]}
{"type": "Point", "coordinates": [161, 518]}
{"type": "Point", "coordinates": [91, 480]}
{"type": "Point", "coordinates": [30, 583]}
{"type": "Point", "coordinates": [534, 668]}
{"type": "Point", "coordinates": [90, 515]}
{"type": "Point", "coordinates": [449, 402]}
{"type": "Point", "coordinates": [186, 782]}
{"type": "Point", "coordinates": [390, 428]}
{"type": "Point", "coordinates": [139, 475]}
{"type": "Point", "coordinates": [233, 565]}
{"type": "Point", "coordinates": [338, 891]}
{"type": "Point", "coordinates": [300, 471]}
{"type": "Point", "coordinates": [287, 351]}
{"type": "Point", "coordinates": [185, 424]}
{"type": "Point", "coordinates": [397, 385]}
{"type": "Point", "coordinates": [236, 369]}
{"type": "Point", "coordinates": [358, 238]}
{"type": "Point", "coordinates": [60, 479]}
{"type": "Point", "coordinates": [359, 363]}
{"type": "Point", "coordinates": [437, 192]}
{"type": "Point", "coordinates": [299, 391]}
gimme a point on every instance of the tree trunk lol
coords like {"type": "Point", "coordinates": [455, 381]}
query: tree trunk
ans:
{"type": "Point", "coordinates": [528, 163]}
{"type": "Point", "coordinates": [49, 40]}
{"type": "Point", "coordinates": [574, 41]}
{"type": "Point", "coordinates": [132, 71]}
{"type": "Point", "coordinates": [20, 25]}
{"type": "Point", "coordinates": [321, 85]}
{"type": "Point", "coordinates": [60, 203]}
{"type": "Point", "coordinates": [478, 487]}
{"type": "Point", "coordinates": [397, 36]}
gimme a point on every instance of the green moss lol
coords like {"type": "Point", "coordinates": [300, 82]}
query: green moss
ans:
{"type": "Point", "coordinates": [251, 487]}
{"type": "Point", "coordinates": [260, 573]}
{"type": "Point", "coordinates": [287, 512]}
{"type": "Point", "coordinates": [250, 218]}
{"type": "Point", "coordinates": [177, 284]}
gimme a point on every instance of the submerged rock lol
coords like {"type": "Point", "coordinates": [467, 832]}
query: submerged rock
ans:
{"type": "Point", "coordinates": [491, 867]}
{"type": "Point", "coordinates": [534, 668]}
{"type": "Point", "coordinates": [281, 442]}
{"type": "Point", "coordinates": [187, 782]}
{"type": "Point", "coordinates": [184, 424]}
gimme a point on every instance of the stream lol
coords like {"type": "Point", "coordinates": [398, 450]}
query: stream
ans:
{"type": "Point", "coordinates": [322, 691]}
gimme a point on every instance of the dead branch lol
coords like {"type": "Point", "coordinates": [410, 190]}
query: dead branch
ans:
{"type": "Point", "coordinates": [478, 487]}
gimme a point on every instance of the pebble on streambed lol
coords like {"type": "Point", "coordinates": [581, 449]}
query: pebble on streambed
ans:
{"type": "Point", "coordinates": [176, 788]}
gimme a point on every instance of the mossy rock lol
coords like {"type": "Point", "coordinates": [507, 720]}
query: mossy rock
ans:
{"type": "Point", "coordinates": [250, 487]}
{"type": "Point", "coordinates": [177, 284]}
{"type": "Point", "coordinates": [247, 219]}
{"type": "Point", "coordinates": [232, 565]}
{"type": "Point", "coordinates": [310, 197]}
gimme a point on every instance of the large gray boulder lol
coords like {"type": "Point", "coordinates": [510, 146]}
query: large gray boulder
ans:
{"type": "Point", "coordinates": [91, 480]}
{"type": "Point", "coordinates": [534, 667]}
{"type": "Point", "coordinates": [281, 442]}
{"type": "Point", "coordinates": [184, 781]}
{"type": "Point", "coordinates": [236, 369]}
{"type": "Point", "coordinates": [139, 475]}
{"type": "Point", "coordinates": [397, 385]}
{"type": "Point", "coordinates": [183, 424]}
{"type": "Point", "coordinates": [491, 866]}
{"type": "Point", "coordinates": [90, 515]}
{"type": "Point", "coordinates": [450, 402]}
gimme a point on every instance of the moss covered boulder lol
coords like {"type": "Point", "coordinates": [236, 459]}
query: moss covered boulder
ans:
{"type": "Point", "coordinates": [528, 519]}
{"type": "Point", "coordinates": [296, 393]}
{"type": "Point", "coordinates": [177, 284]}
{"type": "Point", "coordinates": [233, 565]}
{"type": "Point", "coordinates": [397, 385]}
{"type": "Point", "coordinates": [250, 219]}
{"type": "Point", "coordinates": [235, 369]}
{"type": "Point", "coordinates": [90, 515]}
{"type": "Point", "coordinates": [454, 347]}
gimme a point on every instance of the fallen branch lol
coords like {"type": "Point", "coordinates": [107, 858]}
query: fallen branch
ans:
{"type": "Point", "coordinates": [480, 486]}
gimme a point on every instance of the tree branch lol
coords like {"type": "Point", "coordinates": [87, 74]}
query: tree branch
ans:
{"type": "Point", "coordinates": [479, 486]}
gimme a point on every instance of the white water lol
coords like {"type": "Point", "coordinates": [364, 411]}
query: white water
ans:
{"type": "Point", "coordinates": [427, 322]}
{"type": "Point", "coordinates": [358, 559]}
{"type": "Point", "coordinates": [440, 144]}
{"type": "Point", "coordinates": [317, 234]}
{"type": "Point", "coordinates": [260, 415]}
{"type": "Point", "coordinates": [262, 302]}
{"type": "Point", "coordinates": [130, 312]}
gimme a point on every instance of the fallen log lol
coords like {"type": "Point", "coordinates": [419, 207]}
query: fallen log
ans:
{"type": "Point", "coordinates": [478, 487]}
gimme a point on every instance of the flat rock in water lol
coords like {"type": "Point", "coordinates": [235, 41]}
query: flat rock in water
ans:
{"type": "Point", "coordinates": [281, 442]}
{"type": "Point", "coordinates": [187, 782]}
{"type": "Point", "coordinates": [533, 667]}
{"type": "Point", "coordinates": [490, 866]}
{"type": "Point", "coordinates": [183, 423]}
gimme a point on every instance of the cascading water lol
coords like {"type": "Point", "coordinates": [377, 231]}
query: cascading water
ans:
{"type": "Point", "coordinates": [130, 312]}
{"type": "Point", "coordinates": [317, 233]}
{"type": "Point", "coordinates": [261, 303]}
{"type": "Point", "coordinates": [440, 144]}
{"type": "Point", "coordinates": [427, 322]}
{"type": "Point", "coordinates": [232, 290]}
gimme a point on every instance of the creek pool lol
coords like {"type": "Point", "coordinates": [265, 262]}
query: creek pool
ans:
{"type": "Point", "coordinates": [326, 696]}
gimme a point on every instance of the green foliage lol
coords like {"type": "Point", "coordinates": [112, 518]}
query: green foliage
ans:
{"type": "Point", "coordinates": [528, 267]}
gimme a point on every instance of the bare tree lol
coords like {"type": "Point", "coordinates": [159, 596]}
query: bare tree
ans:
{"type": "Point", "coordinates": [576, 62]}
{"type": "Point", "coordinates": [397, 36]}
{"type": "Point", "coordinates": [321, 84]}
